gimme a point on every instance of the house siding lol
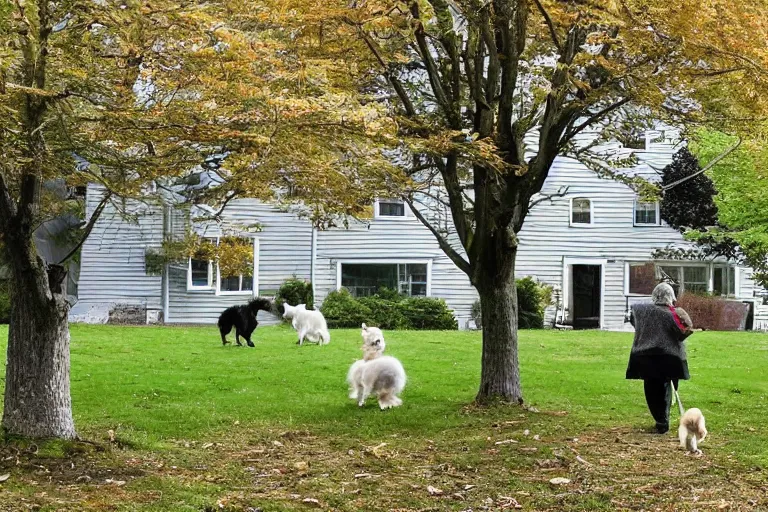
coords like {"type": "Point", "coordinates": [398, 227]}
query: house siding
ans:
{"type": "Point", "coordinates": [392, 240]}
{"type": "Point", "coordinates": [284, 251]}
{"type": "Point", "coordinates": [113, 257]}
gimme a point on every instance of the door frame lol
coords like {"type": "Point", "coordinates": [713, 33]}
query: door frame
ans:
{"type": "Point", "coordinates": [568, 263]}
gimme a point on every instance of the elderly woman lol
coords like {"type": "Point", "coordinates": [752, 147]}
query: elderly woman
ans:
{"type": "Point", "coordinates": [658, 352]}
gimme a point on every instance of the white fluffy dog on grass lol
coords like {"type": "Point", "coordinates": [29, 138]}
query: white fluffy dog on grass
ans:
{"type": "Point", "coordinates": [376, 374]}
{"type": "Point", "coordinates": [309, 324]}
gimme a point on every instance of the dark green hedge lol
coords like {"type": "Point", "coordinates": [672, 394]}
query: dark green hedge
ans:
{"type": "Point", "coordinates": [294, 291]}
{"type": "Point", "coordinates": [387, 310]}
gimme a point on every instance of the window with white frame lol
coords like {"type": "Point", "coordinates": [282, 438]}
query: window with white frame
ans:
{"type": "Point", "coordinates": [689, 278]}
{"type": "Point", "coordinates": [200, 272]}
{"type": "Point", "coordinates": [235, 265]}
{"type": "Point", "coordinates": [581, 211]}
{"type": "Point", "coordinates": [390, 208]}
{"type": "Point", "coordinates": [646, 213]}
{"type": "Point", "coordinates": [724, 280]}
{"type": "Point", "coordinates": [641, 278]}
{"type": "Point", "coordinates": [366, 279]}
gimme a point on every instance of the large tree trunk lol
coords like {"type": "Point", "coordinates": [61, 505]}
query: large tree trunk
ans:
{"type": "Point", "coordinates": [37, 397]}
{"type": "Point", "coordinates": [500, 375]}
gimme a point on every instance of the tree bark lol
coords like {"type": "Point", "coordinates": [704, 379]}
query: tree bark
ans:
{"type": "Point", "coordinates": [495, 283]}
{"type": "Point", "coordinates": [37, 394]}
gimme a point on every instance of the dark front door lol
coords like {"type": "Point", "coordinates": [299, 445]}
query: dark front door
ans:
{"type": "Point", "coordinates": [586, 296]}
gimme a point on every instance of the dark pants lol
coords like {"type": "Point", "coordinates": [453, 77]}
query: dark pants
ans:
{"type": "Point", "coordinates": [658, 395]}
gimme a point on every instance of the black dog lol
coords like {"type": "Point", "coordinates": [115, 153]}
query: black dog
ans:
{"type": "Point", "coordinates": [243, 319]}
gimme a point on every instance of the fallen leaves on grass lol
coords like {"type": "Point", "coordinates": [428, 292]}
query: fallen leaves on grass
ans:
{"type": "Point", "coordinates": [559, 481]}
{"type": "Point", "coordinates": [5, 477]}
{"type": "Point", "coordinates": [434, 491]}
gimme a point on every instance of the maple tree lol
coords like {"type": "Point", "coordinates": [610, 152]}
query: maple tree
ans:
{"type": "Point", "coordinates": [131, 96]}
{"type": "Point", "coordinates": [741, 198]}
{"type": "Point", "coordinates": [487, 94]}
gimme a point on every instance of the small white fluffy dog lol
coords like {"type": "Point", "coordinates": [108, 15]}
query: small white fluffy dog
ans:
{"type": "Point", "coordinates": [381, 375]}
{"type": "Point", "coordinates": [308, 324]}
{"type": "Point", "coordinates": [692, 430]}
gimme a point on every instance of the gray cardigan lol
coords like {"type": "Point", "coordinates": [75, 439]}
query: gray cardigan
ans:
{"type": "Point", "coordinates": [658, 332]}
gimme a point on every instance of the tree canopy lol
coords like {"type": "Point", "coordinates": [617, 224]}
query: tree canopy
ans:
{"type": "Point", "coordinates": [741, 181]}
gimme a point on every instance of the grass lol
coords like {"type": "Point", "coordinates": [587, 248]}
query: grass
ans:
{"type": "Point", "coordinates": [179, 423]}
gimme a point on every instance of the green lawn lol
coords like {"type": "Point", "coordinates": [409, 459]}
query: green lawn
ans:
{"type": "Point", "coordinates": [198, 426]}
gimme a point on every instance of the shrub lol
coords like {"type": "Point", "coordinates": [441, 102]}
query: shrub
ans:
{"type": "Point", "coordinates": [5, 303]}
{"type": "Point", "coordinates": [390, 311]}
{"type": "Point", "coordinates": [294, 291]}
{"type": "Point", "coordinates": [427, 313]}
{"type": "Point", "coordinates": [342, 310]}
{"type": "Point", "coordinates": [713, 313]}
{"type": "Point", "coordinates": [476, 315]}
{"type": "Point", "coordinates": [385, 313]}
{"type": "Point", "coordinates": [532, 299]}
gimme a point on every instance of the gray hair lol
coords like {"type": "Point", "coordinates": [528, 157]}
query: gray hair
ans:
{"type": "Point", "coordinates": [663, 295]}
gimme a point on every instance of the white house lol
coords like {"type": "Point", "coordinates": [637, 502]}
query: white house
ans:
{"type": "Point", "coordinates": [595, 245]}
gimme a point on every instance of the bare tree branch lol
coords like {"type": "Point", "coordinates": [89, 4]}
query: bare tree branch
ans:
{"type": "Point", "coordinates": [706, 168]}
{"type": "Point", "coordinates": [551, 26]}
{"type": "Point", "coordinates": [435, 80]}
{"type": "Point", "coordinates": [88, 227]}
{"type": "Point", "coordinates": [561, 192]}
{"type": "Point", "coordinates": [410, 110]}
{"type": "Point", "coordinates": [570, 134]}
{"type": "Point", "coordinates": [454, 256]}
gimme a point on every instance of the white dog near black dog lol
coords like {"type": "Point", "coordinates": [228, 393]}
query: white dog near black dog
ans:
{"type": "Point", "coordinates": [309, 324]}
{"type": "Point", "coordinates": [376, 374]}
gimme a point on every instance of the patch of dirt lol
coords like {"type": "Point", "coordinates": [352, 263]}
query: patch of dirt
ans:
{"type": "Point", "coordinates": [524, 462]}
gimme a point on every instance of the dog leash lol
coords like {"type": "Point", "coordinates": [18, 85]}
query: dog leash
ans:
{"type": "Point", "coordinates": [675, 395]}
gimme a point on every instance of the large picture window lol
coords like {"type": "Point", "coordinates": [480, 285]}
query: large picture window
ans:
{"type": "Point", "coordinates": [366, 279]}
{"type": "Point", "coordinates": [641, 279]}
{"type": "Point", "coordinates": [691, 279]}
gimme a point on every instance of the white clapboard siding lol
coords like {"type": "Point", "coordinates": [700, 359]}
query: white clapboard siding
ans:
{"type": "Point", "coordinates": [547, 237]}
{"type": "Point", "coordinates": [112, 258]}
{"type": "Point", "coordinates": [284, 251]}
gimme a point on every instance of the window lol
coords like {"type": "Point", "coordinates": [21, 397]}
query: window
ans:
{"type": "Point", "coordinates": [366, 279]}
{"type": "Point", "coordinates": [390, 208]}
{"type": "Point", "coordinates": [229, 262]}
{"type": "Point", "coordinates": [641, 278]}
{"type": "Point", "coordinates": [200, 273]}
{"type": "Point", "coordinates": [581, 211]}
{"type": "Point", "coordinates": [646, 213]}
{"type": "Point", "coordinates": [724, 281]}
{"type": "Point", "coordinates": [693, 279]}
{"type": "Point", "coordinates": [235, 265]}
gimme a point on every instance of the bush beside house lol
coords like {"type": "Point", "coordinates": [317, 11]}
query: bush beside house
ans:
{"type": "Point", "coordinates": [713, 313]}
{"type": "Point", "coordinates": [532, 299]}
{"type": "Point", "coordinates": [387, 310]}
{"type": "Point", "coordinates": [295, 291]}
